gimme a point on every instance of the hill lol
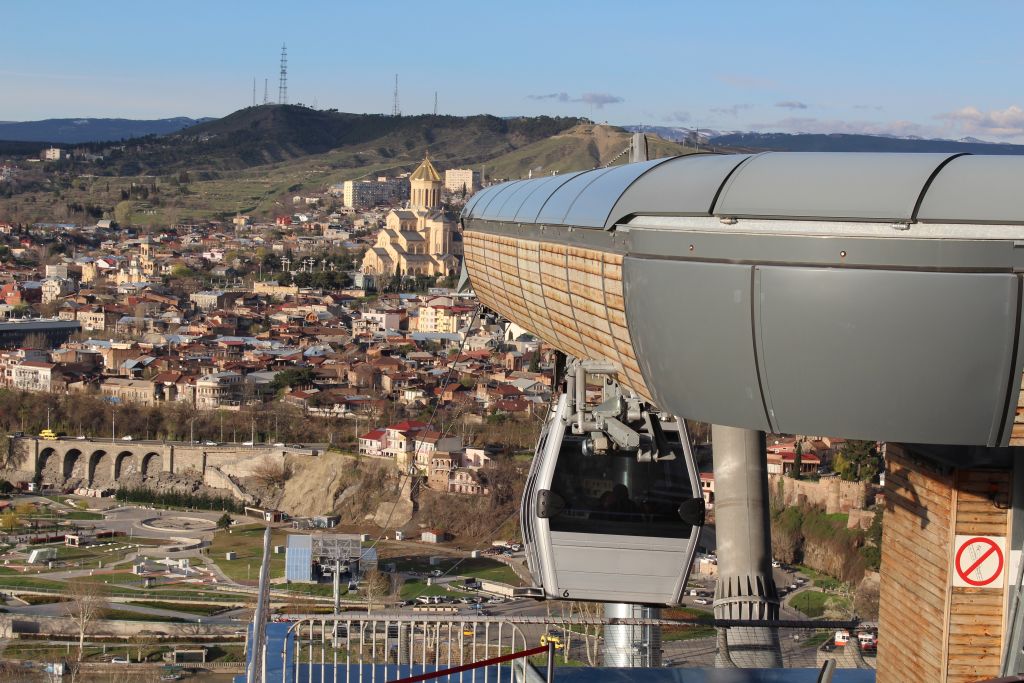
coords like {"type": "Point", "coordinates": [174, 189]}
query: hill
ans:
{"type": "Point", "coordinates": [584, 146]}
{"type": "Point", "coordinates": [842, 142]}
{"type": "Point", "coordinates": [269, 134]}
{"type": "Point", "coordinates": [77, 131]}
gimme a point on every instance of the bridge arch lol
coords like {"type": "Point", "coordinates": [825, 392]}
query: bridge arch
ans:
{"type": "Point", "coordinates": [151, 464]}
{"type": "Point", "coordinates": [95, 460]}
{"type": "Point", "coordinates": [123, 468]}
{"type": "Point", "coordinates": [72, 456]}
{"type": "Point", "coordinates": [43, 459]}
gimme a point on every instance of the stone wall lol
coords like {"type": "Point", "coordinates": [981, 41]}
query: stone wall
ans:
{"type": "Point", "coordinates": [831, 493]}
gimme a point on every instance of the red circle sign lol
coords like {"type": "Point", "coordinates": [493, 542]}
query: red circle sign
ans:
{"type": "Point", "coordinates": [990, 547]}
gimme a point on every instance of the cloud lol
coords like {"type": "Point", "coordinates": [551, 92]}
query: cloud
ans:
{"type": "Point", "coordinates": [599, 99]}
{"type": "Point", "coordinates": [828, 126]}
{"type": "Point", "coordinates": [874, 107]}
{"type": "Point", "coordinates": [594, 99]}
{"type": "Point", "coordinates": [560, 96]}
{"type": "Point", "coordinates": [1000, 123]}
{"type": "Point", "coordinates": [791, 104]}
{"type": "Point", "coordinates": [732, 110]}
{"type": "Point", "coordinates": [678, 116]}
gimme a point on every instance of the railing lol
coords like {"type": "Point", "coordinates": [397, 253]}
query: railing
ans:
{"type": "Point", "coordinates": [382, 647]}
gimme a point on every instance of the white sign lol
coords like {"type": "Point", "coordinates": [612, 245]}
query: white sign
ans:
{"type": "Point", "coordinates": [979, 561]}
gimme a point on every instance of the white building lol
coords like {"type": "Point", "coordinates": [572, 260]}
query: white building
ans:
{"type": "Point", "coordinates": [461, 179]}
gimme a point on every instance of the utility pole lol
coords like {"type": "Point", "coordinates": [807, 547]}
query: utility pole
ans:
{"type": "Point", "coordinates": [395, 111]}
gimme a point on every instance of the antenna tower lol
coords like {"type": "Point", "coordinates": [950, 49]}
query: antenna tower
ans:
{"type": "Point", "coordinates": [435, 103]}
{"type": "Point", "coordinates": [395, 111]}
{"type": "Point", "coordinates": [254, 92]}
{"type": "Point", "coordinates": [282, 88]}
{"type": "Point", "coordinates": [265, 97]}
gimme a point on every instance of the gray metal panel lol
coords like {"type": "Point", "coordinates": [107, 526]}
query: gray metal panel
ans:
{"type": "Point", "coordinates": [510, 207]}
{"type": "Point", "coordinates": [896, 356]}
{"type": "Point", "coordinates": [691, 326]}
{"type": "Point", "coordinates": [558, 205]}
{"type": "Point", "coordinates": [976, 189]}
{"type": "Point", "coordinates": [493, 199]}
{"type": "Point", "coordinates": [544, 188]}
{"type": "Point", "coordinates": [594, 203]}
{"type": "Point", "coordinates": [827, 185]}
{"type": "Point", "coordinates": [497, 208]}
{"type": "Point", "coordinates": [681, 186]}
{"type": "Point", "coordinates": [469, 211]}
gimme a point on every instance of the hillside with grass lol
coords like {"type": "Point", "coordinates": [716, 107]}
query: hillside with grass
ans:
{"type": "Point", "coordinates": [581, 147]}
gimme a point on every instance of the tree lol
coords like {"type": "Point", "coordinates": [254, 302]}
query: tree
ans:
{"type": "Point", "coordinates": [798, 462]}
{"type": "Point", "coordinates": [87, 604]}
{"type": "Point", "coordinates": [858, 461]}
{"type": "Point", "coordinates": [9, 521]}
{"type": "Point", "coordinates": [224, 522]}
{"type": "Point", "coordinates": [535, 362]}
{"type": "Point", "coordinates": [375, 585]}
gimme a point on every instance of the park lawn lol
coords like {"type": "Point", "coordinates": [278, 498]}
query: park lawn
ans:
{"type": "Point", "coordinates": [128, 615]}
{"type": "Point", "coordinates": [198, 608]}
{"type": "Point", "coordinates": [30, 583]}
{"type": "Point", "coordinates": [247, 542]}
{"type": "Point", "coordinates": [810, 602]}
{"type": "Point", "coordinates": [43, 599]}
{"type": "Point", "coordinates": [478, 567]}
{"type": "Point", "coordinates": [413, 588]}
{"type": "Point", "coordinates": [315, 589]}
{"type": "Point", "coordinates": [823, 581]}
{"type": "Point", "coordinates": [687, 631]}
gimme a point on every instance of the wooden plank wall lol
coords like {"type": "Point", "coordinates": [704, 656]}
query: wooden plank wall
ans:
{"type": "Point", "coordinates": [928, 630]}
{"type": "Point", "coordinates": [570, 297]}
{"type": "Point", "coordinates": [975, 638]}
{"type": "Point", "coordinates": [1017, 429]}
{"type": "Point", "coordinates": [915, 571]}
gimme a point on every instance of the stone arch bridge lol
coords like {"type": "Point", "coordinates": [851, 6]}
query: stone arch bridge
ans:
{"type": "Point", "coordinates": [104, 462]}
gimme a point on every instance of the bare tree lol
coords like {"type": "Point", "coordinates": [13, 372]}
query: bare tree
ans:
{"type": "Point", "coordinates": [376, 584]}
{"type": "Point", "coordinates": [272, 473]}
{"type": "Point", "coordinates": [87, 604]}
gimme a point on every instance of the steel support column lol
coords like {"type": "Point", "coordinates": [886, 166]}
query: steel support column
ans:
{"type": "Point", "coordinates": [746, 589]}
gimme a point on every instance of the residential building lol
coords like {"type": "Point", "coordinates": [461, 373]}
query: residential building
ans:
{"type": "Point", "coordinates": [462, 180]}
{"type": "Point", "coordinates": [219, 389]}
{"type": "Point", "coordinates": [33, 375]}
{"type": "Point", "coordinates": [121, 390]}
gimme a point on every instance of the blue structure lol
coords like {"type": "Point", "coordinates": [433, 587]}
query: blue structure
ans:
{"type": "Point", "coordinates": [298, 559]}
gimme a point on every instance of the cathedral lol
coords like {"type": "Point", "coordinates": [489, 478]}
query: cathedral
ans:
{"type": "Point", "coordinates": [418, 240]}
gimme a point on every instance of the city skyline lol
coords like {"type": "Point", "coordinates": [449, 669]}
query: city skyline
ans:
{"type": "Point", "coordinates": [911, 69]}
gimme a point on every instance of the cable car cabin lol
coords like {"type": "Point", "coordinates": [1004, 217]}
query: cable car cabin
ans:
{"type": "Point", "coordinates": [611, 527]}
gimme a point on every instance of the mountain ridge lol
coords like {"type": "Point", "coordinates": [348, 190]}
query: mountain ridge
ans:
{"type": "Point", "coordinates": [83, 130]}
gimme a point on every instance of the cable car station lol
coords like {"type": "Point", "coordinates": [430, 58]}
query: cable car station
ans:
{"type": "Point", "coordinates": [684, 288]}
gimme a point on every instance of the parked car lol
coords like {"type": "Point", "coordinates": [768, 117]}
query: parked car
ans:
{"type": "Point", "coordinates": [702, 601]}
{"type": "Point", "coordinates": [120, 660]}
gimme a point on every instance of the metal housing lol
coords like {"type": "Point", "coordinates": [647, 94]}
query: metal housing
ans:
{"type": "Point", "coordinates": [874, 296]}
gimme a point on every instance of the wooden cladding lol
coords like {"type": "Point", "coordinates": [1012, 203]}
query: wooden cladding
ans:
{"type": "Point", "coordinates": [1017, 429]}
{"type": "Point", "coordinates": [570, 297]}
{"type": "Point", "coordinates": [928, 629]}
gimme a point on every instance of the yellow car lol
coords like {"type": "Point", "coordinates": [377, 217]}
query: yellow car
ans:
{"type": "Point", "coordinates": [468, 631]}
{"type": "Point", "coordinates": [48, 435]}
{"type": "Point", "coordinates": [552, 637]}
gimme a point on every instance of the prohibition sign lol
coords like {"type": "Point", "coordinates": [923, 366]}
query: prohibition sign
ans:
{"type": "Point", "coordinates": [985, 561]}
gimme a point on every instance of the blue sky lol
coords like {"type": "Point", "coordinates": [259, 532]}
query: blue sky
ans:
{"type": "Point", "coordinates": [931, 68]}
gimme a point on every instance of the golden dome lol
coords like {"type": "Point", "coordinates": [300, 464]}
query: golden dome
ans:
{"type": "Point", "coordinates": [426, 171]}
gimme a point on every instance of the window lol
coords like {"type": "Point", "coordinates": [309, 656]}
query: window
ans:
{"type": "Point", "coordinates": [614, 494]}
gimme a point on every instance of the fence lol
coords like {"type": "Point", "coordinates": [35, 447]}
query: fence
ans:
{"type": "Point", "coordinates": [367, 648]}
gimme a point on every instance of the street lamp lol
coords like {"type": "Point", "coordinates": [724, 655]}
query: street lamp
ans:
{"type": "Point", "coordinates": [113, 424]}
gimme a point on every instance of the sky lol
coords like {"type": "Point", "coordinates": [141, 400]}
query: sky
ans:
{"type": "Point", "coordinates": [932, 68]}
